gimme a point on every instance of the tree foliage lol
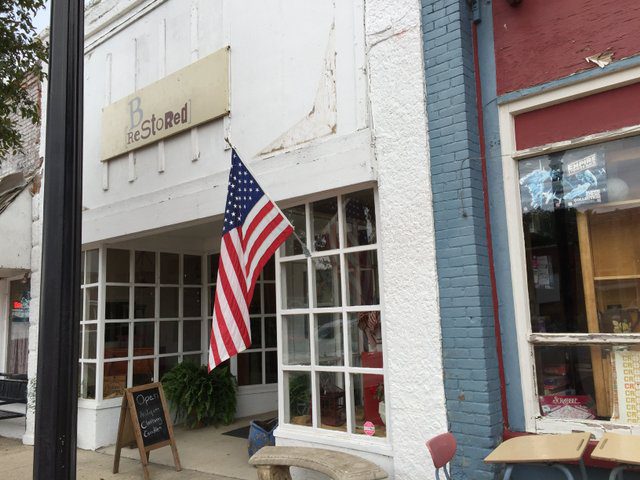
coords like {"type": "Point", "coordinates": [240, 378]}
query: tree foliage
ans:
{"type": "Point", "coordinates": [22, 55]}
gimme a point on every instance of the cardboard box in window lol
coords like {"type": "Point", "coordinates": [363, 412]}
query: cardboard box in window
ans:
{"type": "Point", "coordinates": [114, 386]}
{"type": "Point", "coordinates": [579, 407]}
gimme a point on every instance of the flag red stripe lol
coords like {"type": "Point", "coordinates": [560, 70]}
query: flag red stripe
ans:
{"type": "Point", "coordinates": [264, 211]}
{"type": "Point", "coordinates": [232, 301]}
{"type": "Point", "coordinates": [268, 253]}
{"type": "Point", "coordinates": [266, 231]}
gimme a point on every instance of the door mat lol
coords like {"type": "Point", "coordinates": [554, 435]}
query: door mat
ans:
{"type": "Point", "coordinates": [242, 432]}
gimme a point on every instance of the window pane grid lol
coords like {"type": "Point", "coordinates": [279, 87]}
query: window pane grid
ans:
{"type": "Point", "coordinates": [330, 365]}
{"type": "Point", "coordinates": [135, 359]}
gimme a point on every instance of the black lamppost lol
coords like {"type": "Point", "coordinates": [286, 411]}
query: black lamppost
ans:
{"type": "Point", "coordinates": [57, 380]}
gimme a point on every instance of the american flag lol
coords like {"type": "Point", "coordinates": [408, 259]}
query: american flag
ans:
{"type": "Point", "coordinates": [253, 230]}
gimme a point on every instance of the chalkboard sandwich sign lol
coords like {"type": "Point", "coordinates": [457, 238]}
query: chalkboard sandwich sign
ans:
{"type": "Point", "coordinates": [145, 420]}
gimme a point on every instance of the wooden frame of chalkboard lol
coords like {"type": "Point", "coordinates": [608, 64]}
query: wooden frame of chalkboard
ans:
{"type": "Point", "coordinates": [145, 421]}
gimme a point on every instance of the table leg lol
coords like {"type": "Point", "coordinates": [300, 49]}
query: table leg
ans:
{"type": "Point", "coordinates": [564, 470]}
{"type": "Point", "coordinates": [507, 472]}
{"type": "Point", "coordinates": [583, 470]}
{"type": "Point", "coordinates": [617, 472]}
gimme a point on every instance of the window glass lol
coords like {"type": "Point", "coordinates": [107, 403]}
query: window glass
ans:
{"type": "Point", "coordinates": [327, 278]}
{"type": "Point", "coordinates": [91, 303]}
{"type": "Point", "coordinates": [192, 270]}
{"type": "Point", "coordinates": [169, 268]}
{"type": "Point", "coordinates": [250, 368]}
{"type": "Point", "coordinates": [360, 218]}
{"type": "Point", "coordinates": [89, 341]}
{"type": "Point", "coordinates": [333, 412]}
{"type": "Point", "coordinates": [269, 271]}
{"type": "Point", "coordinates": [362, 278]}
{"type": "Point", "coordinates": [296, 216]}
{"type": "Point", "coordinates": [256, 333]}
{"type": "Point", "coordinates": [298, 409]}
{"type": "Point", "coordinates": [324, 216]}
{"type": "Point", "coordinates": [145, 267]}
{"type": "Point", "coordinates": [143, 338]}
{"type": "Point", "coordinates": [145, 302]}
{"type": "Point", "coordinates": [365, 339]}
{"type": "Point", "coordinates": [117, 303]}
{"type": "Point", "coordinates": [117, 265]}
{"type": "Point", "coordinates": [212, 262]}
{"type": "Point", "coordinates": [296, 350]}
{"type": "Point", "coordinates": [269, 298]}
{"type": "Point", "coordinates": [255, 305]}
{"type": "Point", "coordinates": [169, 298]}
{"type": "Point", "coordinates": [270, 332]}
{"type": "Point", "coordinates": [329, 339]}
{"type": "Point", "coordinates": [271, 367]}
{"type": "Point", "coordinates": [115, 379]}
{"type": "Point", "coordinates": [295, 291]}
{"type": "Point", "coordinates": [91, 266]}
{"type": "Point", "coordinates": [368, 405]}
{"type": "Point", "coordinates": [88, 382]}
{"type": "Point", "coordinates": [142, 371]}
{"type": "Point", "coordinates": [168, 337]}
{"type": "Point", "coordinates": [116, 340]}
{"type": "Point", "coordinates": [165, 364]}
{"type": "Point", "coordinates": [191, 305]}
{"type": "Point", "coordinates": [20, 300]}
{"type": "Point", "coordinates": [191, 335]}
{"type": "Point", "coordinates": [195, 359]}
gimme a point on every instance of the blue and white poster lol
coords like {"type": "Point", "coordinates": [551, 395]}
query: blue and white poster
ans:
{"type": "Point", "coordinates": [563, 180]}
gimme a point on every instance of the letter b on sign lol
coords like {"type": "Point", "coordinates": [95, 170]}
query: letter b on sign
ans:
{"type": "Point", "coordinates": [135, 112]}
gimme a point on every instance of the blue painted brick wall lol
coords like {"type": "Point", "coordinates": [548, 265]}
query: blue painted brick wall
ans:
{"type": "Point", "coordinates": [472, 383]}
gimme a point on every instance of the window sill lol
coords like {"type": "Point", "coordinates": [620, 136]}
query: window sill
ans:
{"type": "Point", "coordinates": [595, 427]}
{"type": "Point", "coordinates": [380, 446]}
{"type": "Point", "coordinates": [99, 405]}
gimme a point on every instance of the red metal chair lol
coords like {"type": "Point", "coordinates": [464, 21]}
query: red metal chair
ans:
{"type": "Point", "coordinates": [442, 449]}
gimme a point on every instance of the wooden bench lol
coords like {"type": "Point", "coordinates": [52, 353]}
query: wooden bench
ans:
{"type": "Point", "coordinates": [13, 389]}
{"type": "Point", "coordinates": [551, 450]}
{"type": "Point", "coordinates": [273, 464]}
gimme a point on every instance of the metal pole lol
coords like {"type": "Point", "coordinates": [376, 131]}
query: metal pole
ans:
{"type": "Point", "coordinates": [57, 380]}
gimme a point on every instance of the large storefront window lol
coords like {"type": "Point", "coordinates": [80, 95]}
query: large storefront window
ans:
{"type": "Point", "coordinates": [144, 318]}
{"type": "Point", "coordinates": [581, 222]}
{"type": "Point", "coordinates": [330, 322]}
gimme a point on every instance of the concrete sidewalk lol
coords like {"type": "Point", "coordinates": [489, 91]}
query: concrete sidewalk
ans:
{"type": "Point", "coordinates": [17, 464]}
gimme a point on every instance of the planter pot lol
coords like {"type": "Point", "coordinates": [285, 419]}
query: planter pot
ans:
{"type": "Point", "coordinates": [261, 435]}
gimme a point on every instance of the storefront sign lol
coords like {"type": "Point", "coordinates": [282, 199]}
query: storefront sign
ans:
{"type": "Point", "coordinates": [196, 94]}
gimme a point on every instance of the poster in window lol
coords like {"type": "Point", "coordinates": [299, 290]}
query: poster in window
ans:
{"type": "Point", "coordinates": [627, 374]}
{"type": "Point", "coordinates": [562, 180]}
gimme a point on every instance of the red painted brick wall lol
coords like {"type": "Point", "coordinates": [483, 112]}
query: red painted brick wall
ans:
{"type": "Point", "coordinates": [543, 40]}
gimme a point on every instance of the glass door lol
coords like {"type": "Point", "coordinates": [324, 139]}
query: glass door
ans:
{"type": "Point", "coordinates": [19, 299]}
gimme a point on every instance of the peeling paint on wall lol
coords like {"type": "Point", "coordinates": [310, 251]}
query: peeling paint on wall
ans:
{"type": "Point", "coordinates": [321, 120]}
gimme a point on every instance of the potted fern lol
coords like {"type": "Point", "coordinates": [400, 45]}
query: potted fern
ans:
{"type": "Point", "coordinates": [201, 398]}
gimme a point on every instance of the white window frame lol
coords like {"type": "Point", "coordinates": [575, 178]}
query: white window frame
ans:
{"type": "Point", "coordinates": [100, 401]}
{"type": "Point", "coordinates": [315, 433]}
{"type": "Point", "coordinates": [526, 339]}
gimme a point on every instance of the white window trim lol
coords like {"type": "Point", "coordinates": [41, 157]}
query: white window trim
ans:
{"type": "Point", "coordinates": [534, 422]}
{"type": "Point", "coordinates": [314, 433]}
{"type": "Point", "coordinates": [99, 402]}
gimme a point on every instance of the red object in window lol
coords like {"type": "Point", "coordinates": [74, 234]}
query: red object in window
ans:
{"type": "Point", "coordinates": [17, 305]}
{"type": "Point", "coordinates": [370, 387]}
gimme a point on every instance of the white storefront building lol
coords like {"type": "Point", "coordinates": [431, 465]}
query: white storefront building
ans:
{"type": "Point", "coordinates": [326, 105]}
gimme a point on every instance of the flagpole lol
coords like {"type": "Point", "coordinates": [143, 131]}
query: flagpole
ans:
{"type": "Point", "coordinates": [305, 250]}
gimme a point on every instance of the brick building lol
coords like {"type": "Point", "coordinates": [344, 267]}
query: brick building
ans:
{"type": "Point", "coordinates": [532, 123]}
{"type": "Point", "coordinates": [20, 231]}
